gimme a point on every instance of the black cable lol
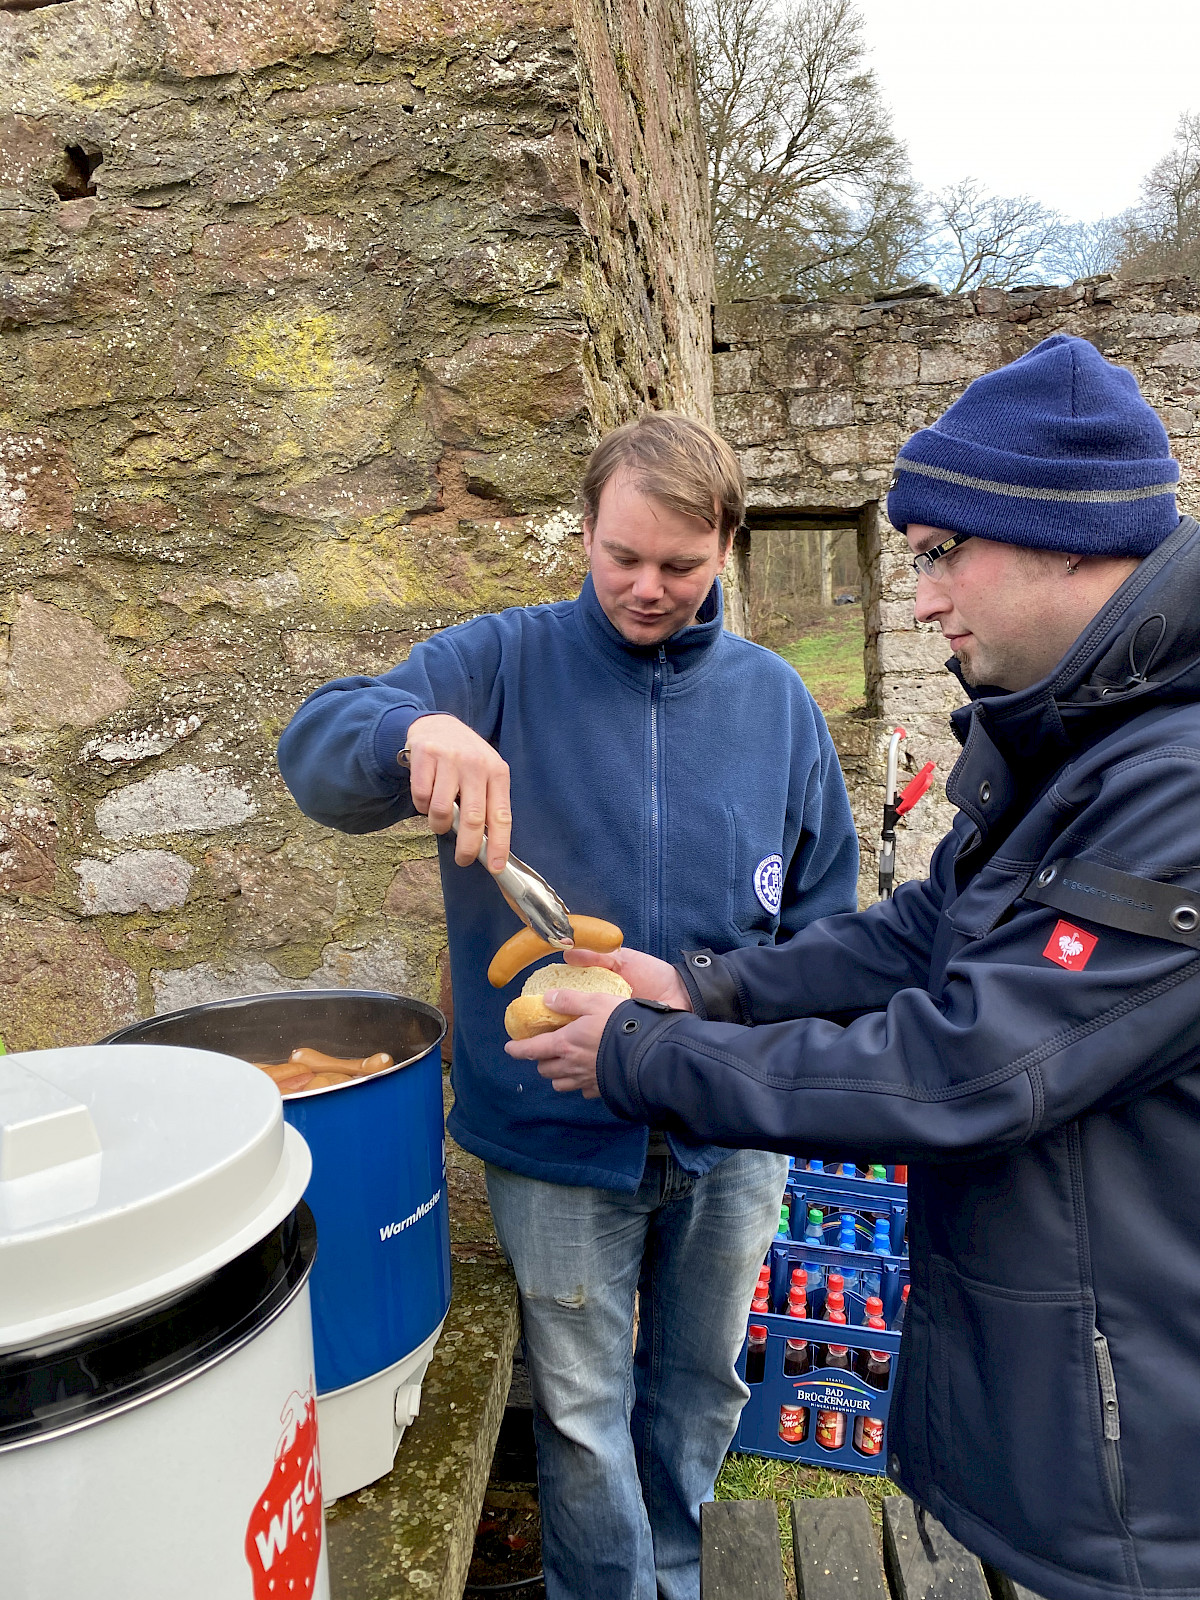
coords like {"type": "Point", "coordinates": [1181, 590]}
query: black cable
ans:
{"type": "Point", "coordinates": [498, 1588]}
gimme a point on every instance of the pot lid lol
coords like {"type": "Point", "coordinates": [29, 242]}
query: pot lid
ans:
{"type": "Point", "coordinates": [128, 1172]}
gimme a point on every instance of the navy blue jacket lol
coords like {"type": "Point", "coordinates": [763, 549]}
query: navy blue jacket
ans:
{"type": "Point", "coordinates": [651, 787]}
{"type": "Point", "coordinates": [1024, 1030]}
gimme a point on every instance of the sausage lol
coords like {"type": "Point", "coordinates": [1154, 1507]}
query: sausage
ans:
{"type": "Point", "coordinates": [356, 1067]}
{"type": "Point", "coordinates": [327, 1080]}
{"type": "Point", "coordinates": [294, 1085]}
{"type": "Point", "coordinates": [591, 933]}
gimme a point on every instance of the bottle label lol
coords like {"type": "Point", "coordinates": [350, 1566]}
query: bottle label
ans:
{"type": "Point", "coordinates": [793, 1424]}
{"type": "Point", "coordinates": [868, 1436]}
{"type": "Point", "coordinates": [831, 1429]}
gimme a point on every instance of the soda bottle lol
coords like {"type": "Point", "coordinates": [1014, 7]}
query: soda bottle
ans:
{"type": "Point", "coordinates": [785, 1219]}
{"type": "Point", "coordinates": [898, 1319]}
{"type": "Point", "coordinates": [848, 1240]}
{"type": "Point", "coordinates": [797, 1358]}
{"type": "Point", "coordinates": [862, 1358]}
{"type": "Point", "coordinates": [793, 1423]}
{"type": "Point", "coordinates": [831, 1425]}
{"type": "Point", "coordinates": [839, 1319]}
{"type": "Point", "coordinates": [756, 1353]}
{"type": "Point", "coordinates": [881, 1245]}
{"type": "Point", "coordinates": [868, 1431]}
{"type": "Point", "coordinates": [814, 1233]}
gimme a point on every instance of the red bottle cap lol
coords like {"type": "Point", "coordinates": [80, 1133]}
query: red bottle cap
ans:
{"type": "Point", "coordinates": [758, 1332]}
{"type": "Point", "coordinates": [836, 1316]}
{"type": "Point", "coordinates": [799, 1278]}
{"type": "Point", "coordinates": [876, 1322]}
{"type": "Point", "coordinates": [761, 1303]}
{"type": "Point", "coordinates": [904, 1292]}
{"type": "Point", "coordinates": [835, 1302]}
{"type": "Point", "coordinates": [797, 1305]}
{"type": "Point", "coordinates": [874, 1306]}
{"type": "Point", "coordinates": [835, 1283]}
{"type": "Point", "coordinates": [836, 1349]}
{"type": "Point", "coordinates": [901, 1175]}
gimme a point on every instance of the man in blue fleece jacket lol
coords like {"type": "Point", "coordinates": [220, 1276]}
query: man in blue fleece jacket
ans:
{"type": "Point", "coordinates": [678, 781]}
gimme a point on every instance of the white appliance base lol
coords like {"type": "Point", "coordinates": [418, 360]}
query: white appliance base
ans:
{"type": "Point", "coordinates": [360, 1426]}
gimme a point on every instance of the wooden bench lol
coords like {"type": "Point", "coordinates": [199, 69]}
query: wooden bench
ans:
{"type": "Point", "coordinates": [837, 1556]}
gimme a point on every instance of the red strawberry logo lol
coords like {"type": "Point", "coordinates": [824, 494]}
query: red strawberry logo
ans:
{"type": "Point", "coordinates": [283, 1536]}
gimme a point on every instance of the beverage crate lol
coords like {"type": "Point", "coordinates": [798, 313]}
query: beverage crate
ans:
{"type": "Point", "coordinates": [844, 1392]}
{"type": "Point", "coordinates": [832, 1390]}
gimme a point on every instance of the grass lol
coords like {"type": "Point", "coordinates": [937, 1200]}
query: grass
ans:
{"type": "Point", "coordinates": [758, 1478]}
{"type": "Point", "coordinates": [829, 657]}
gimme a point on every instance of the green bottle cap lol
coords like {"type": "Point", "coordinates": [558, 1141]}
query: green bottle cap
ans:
{"type": "Point", "coordinates": [880, 1173]}
{"type": "Point", "coordinates": [815, 1214]}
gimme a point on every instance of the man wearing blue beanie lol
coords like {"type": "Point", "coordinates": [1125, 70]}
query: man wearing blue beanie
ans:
{"type": "Point", "coordinates": [1022, 1028]}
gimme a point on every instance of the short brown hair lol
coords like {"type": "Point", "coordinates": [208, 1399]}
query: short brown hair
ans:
{"type": "Point", "coordinates": [676, 460]}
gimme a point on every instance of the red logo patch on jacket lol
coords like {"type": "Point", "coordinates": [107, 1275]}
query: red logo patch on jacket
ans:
{"type": "Point", "coordinates": [1070, 947]}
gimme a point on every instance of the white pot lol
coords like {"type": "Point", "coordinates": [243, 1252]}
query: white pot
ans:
{"type": "Point", "coordinates": [157, 1398]}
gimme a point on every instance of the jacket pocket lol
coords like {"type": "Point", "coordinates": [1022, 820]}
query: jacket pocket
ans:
{"type": "Point", "coordinates": [756, 871]}
{"type": "Point", "coordinates": [1017, 1420]}
{"type": "Point", "coordinates": [1110, 1412]}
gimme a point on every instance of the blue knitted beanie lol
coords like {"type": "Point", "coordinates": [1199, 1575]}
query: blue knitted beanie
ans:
{"type": "Point", "coordinates": [1058, 450]}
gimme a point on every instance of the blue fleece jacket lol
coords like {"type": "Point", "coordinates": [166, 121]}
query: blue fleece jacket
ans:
{"type": "Point", "coordinates": [688, 792]}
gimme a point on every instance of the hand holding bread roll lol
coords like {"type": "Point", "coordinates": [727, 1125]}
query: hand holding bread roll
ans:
{"type": "Point", "coordinates": [528, 1015]}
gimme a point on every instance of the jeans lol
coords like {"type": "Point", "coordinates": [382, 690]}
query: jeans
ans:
{"type": "Point", "coordinates": [630, 1443]}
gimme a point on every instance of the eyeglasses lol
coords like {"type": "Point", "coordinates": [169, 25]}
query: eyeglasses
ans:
{"type": "Point", "coordinates": [923, 564]}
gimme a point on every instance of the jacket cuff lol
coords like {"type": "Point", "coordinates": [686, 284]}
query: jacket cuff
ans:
{"type": "Point", "coordinates": [633, 1028]}
{"type": "Point", "coordinates": [391, 735]}
{"type": "Point", "coordinates": [711, 987]}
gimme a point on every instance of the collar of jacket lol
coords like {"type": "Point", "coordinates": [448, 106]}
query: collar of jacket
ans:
{"type": "Point", "coordinates": [1141, 649]}
{"type": "Point", "coordinates": [685, 651]}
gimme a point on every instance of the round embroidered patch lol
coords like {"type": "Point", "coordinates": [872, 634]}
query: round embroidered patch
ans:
{"type": "Point", "coordinates": [768, 883]}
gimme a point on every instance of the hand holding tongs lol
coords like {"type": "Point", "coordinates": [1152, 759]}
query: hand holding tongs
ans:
{"type": "Point", "coordinates": [526, 891]}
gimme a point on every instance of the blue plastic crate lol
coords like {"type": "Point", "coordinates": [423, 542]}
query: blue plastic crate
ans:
{"type": "Point", "coordinates": [843, 1392]}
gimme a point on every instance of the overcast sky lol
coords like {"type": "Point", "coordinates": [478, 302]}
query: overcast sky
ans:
{"type": "Point", "coordinates": [1069, 102]}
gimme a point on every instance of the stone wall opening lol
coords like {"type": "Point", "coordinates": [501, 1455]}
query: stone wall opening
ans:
{"type": "Point", "coordinates": [805, 578]}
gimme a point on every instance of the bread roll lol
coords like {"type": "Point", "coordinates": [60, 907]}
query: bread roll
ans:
{"type": "Point", "coordinates": [529, 1014]}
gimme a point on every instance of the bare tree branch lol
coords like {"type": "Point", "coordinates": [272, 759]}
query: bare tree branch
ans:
{"type": "Point", "coordinates": [810, 190]}
{"type": "Point", "coordinates": [979, 238]}
{"type": "Point", "coordinates": [1162, 232]}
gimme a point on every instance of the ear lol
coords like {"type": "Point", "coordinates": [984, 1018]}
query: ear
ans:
{"type": "Point", "coordinates": [589, 534]}
{"type": "Point", "coordinates": [724, 555]}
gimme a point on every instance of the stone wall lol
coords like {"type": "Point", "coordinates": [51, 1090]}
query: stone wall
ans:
{"type": "Point", "coordinates": [309, 314]}
{"type": "Point", "coordinates": [818, 398]}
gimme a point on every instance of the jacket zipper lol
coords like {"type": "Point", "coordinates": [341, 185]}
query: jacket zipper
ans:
{"type": "Point", "coordinates": [656, 926]}
{"type": "Point", "coordinates": [1111, 1414]}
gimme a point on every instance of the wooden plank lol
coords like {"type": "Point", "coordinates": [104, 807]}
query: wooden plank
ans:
{"type": "Point", "coordinates": [923, 1562]}
{"type": "Point", "coordinates": [1003, 1587]}
{"type": "Point", "coordinates": [834, 1547]}
{"type": "Point", "coordinates": [739, 1551]}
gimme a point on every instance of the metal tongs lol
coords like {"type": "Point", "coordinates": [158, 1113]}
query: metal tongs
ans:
{"type": "Point", "coordinates": [527, 892]}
